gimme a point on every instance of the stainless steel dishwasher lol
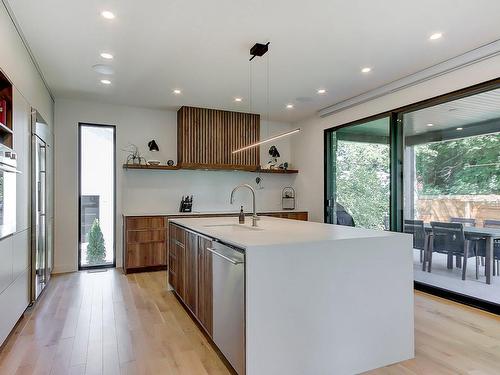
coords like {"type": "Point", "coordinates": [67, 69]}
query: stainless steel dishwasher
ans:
{"type": "Point", "coordinates": [228, 276]}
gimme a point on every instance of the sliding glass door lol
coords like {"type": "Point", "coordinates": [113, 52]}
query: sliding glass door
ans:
{"type": "Point", "coordinates": [452, 187]}
{"type": "Point", "coordinates": [358, 175]}
{"type": "Point", "coordinates": [432, 170]}
{"type": "Point", "coordinates": [96, 196]}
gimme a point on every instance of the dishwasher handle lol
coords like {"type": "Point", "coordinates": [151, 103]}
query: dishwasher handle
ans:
{"type": "Point", "coordinates": [235, 262]}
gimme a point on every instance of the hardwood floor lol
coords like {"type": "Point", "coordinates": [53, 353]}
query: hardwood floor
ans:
{"type": "Point", "coordinates": [109, 323]}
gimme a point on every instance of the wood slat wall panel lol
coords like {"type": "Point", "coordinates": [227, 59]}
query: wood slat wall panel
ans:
{"type": "Point", "coordinates": [207, 137]}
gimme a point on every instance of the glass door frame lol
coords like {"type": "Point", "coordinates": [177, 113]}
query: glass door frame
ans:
{"type": "Point", "coordinates": [395, 167]}
{"type": "Point", "coordinates": [80, 126]}
{"type": "Point", "coordinates": [397, 182]}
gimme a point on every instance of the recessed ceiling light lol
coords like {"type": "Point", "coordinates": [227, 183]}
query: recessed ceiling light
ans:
{"type": "Point", "coordinates": [105, 81]}
{"type": "Point", "coordinates": [435, 36]}
{"type": "Point", "coordinates": [107, 14]}
{"type": "Point", "coordinates": [289, 106]}
{"type": "Point", "coordinates": [321, 91]}
{"type": "Point", "coordinates": [106, 55]}
{"type": "Point", "coordinates": [177, 91]}
{"type": "Point", "coordinates": [238, 99]}
{"type": "Point", "coordinates": [460, 128]}
{"type": "Point", "coordinates": [366, 70]}
{"type": "Point", "coordinates": [429, 125]}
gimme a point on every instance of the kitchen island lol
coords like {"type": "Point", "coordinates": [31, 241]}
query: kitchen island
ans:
{"type": "Point", "coordinates": [315, 298]}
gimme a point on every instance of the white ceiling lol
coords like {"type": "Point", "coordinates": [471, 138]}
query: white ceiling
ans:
{"type": "Point", "coordinates": [202, 48]}
{"type": "Point", "coordinates": [458, 113]}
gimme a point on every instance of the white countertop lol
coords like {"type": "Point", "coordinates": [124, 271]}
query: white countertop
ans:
{"type": "Point", "coordinates": [274, 231]}
{"type": "Point", "coordinates": [176, 213]}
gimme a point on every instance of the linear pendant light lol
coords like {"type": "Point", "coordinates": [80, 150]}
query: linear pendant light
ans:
{"type": "Point", "coordinates": [260, 50]}
{"type": "Point", "coordinates": [268, 140]}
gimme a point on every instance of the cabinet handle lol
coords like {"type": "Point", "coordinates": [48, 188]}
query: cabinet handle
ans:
{"type": "Point", "coordinates": [224, 257]}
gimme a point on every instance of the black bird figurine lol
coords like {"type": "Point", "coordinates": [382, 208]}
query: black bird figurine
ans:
{"type": "Point", "coordinates": [153, 146]}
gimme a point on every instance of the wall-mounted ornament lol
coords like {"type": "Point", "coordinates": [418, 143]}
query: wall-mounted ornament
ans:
{"type": "Point", "coordinates": [259, 182]}
{"type": "Point", "coordinates": [288, 198]}
{"type": "Point", "coordinates": [153, 146]}
{"type": "Point", "coordinates": [274, 154]}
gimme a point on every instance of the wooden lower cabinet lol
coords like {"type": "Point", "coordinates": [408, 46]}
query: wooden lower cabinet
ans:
{"type": "Point", "coordinates": [176, 267]}
{"type": "Point", "coordinates": [205, 284]}
{"type": "Point", "coordinates": [303, 216]}
{"type": "Point", "coordinates": [145, 243]}
{"type": "Point", "coordinates": [190, 272]}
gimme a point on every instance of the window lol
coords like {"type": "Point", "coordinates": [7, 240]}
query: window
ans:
{"type": "Point", "coordinates": [97, 196]}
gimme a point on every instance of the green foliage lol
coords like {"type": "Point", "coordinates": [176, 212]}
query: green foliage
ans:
{"type": "Point", "coordinates": [363, 182]}
{"type": "Point", "coordinates": [459, 167]}
{"type": "Point", "coordinates": [96, 250]}
{"type": "Point", "coordinates": [466, 166]}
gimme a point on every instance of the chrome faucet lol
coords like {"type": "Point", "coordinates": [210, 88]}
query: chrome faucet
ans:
{"type": "Point", "coordinates": [254, 216]}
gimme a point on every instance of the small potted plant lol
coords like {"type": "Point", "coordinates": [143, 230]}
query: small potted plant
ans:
{"type": "Point", "coordinates": [134, 156]}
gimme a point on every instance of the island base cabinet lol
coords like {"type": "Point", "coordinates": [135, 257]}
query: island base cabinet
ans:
{"type": "Point", "coordinates": [176, 259]}
{"type": "Point", "coordinates": [191, 272]}
{"type": "Point", "coordinates": [208, 278]}
{"type": "Point", "coordinates": [205, 284]}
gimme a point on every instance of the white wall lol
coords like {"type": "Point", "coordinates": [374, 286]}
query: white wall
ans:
{"type": "Point", "coordinates": [145, 191]}
{"type": "Point", "coordinates": [308, 147]}
{"type": "Point", "coordinates": [15, 251]}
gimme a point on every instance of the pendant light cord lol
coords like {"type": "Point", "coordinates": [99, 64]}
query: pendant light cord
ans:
{"type": "Point", "coordinates": [268, 98]}
{"type": "Point", "coordinates": [250, 93]}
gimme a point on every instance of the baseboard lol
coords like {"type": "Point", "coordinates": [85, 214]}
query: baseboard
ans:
{"type": "Point", "coordinates": [64, 268]}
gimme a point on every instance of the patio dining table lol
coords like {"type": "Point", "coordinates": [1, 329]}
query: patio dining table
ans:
{"type": "Point", "coordinates": [474, 233]}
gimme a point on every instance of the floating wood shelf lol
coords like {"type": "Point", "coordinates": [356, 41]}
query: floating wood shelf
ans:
{"type": "Point", "coordinates": [176, 168]}
{"type": "Point", "coordinates": [282, 171]}
{"type": "Point", "coordinates": [154, 167]}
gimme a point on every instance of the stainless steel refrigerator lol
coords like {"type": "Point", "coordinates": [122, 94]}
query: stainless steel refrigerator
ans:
{"type": "Point", "coordinates": [42, 260]}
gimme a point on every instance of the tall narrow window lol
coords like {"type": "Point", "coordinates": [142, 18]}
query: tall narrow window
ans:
{"type": "Point", "coordinates": [97, 196]}
{"type": "Point", "coordinates": [358, 175]}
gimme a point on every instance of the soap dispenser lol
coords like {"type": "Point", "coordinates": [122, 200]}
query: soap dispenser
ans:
{"type": "Point", "coordinates": [241, 218]}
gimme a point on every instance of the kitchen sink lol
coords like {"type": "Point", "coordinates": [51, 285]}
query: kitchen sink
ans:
{"type": "Point", "coordinates": [232, 227]}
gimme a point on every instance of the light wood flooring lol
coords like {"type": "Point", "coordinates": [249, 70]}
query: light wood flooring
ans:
{"type": "Point", "coordinates": [108, 323]}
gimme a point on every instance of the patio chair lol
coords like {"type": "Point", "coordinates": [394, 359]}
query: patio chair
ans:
{"type": "Point", "coordinates": [468, 222]}
{"type": "Point", "coordinates": [416, 228]}
{"type": "Point", "coordinates": [489, 223]}
{"type": "Point", "coordinates": [449, 238]}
